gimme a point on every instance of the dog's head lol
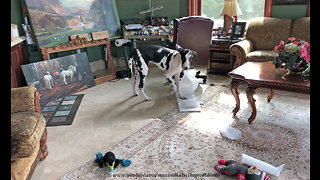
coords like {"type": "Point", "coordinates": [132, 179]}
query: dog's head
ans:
{"type": "Point", "coordinates": [186, 57]}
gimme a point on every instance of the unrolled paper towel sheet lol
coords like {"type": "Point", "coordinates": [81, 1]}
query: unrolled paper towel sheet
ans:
{"type": "Point", "coordinates": [268, 168]}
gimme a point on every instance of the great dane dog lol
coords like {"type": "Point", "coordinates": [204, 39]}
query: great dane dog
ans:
{"type": "Point", "coordinates": [172, 62]}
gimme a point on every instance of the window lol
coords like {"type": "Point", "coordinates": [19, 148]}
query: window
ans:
{"type": "Point", "coordinates": [249, 8]}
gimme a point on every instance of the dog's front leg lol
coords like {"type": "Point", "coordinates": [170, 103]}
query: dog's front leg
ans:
{"type": "Point", "coordinates": [177, 79]}
{"type": "Point", "coordinates": [65, 81]}
{"type": "Point", "coordinates": [172, 84]}
{"type": "Point", "coordinates": [143, 76]}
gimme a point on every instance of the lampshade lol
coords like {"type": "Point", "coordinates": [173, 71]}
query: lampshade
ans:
{"type": "Point", "coordinates": [231, 8]}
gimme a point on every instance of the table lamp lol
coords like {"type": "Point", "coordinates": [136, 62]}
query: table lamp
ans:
{"type": "Point", "coordinates": [230, 12]}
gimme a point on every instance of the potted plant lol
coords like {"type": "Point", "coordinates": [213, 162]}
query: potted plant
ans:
{"type": "Point", "coordinates": [293, 56]}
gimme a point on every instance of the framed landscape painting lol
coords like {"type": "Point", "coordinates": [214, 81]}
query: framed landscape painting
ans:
{"type": "Point", "coordinates": [53, 21]}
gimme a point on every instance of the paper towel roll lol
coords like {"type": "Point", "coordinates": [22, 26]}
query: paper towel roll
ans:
{"type": "Point", "coordinates": [262, 165]}
{"type": "Point", "coordinates": [189, 83]}
{"type": "Point", "coordinates": [120, 42]}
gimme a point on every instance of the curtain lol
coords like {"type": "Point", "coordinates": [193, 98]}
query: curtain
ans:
{"type": "Point", "coordinates": [194, 8]}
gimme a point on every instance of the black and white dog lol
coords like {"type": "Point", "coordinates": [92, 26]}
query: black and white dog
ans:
{"type": "Point", "coordinates": [172, 62]}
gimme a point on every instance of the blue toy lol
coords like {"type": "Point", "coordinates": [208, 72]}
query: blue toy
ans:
{"type": "Point", "coordinates": [110, 161]}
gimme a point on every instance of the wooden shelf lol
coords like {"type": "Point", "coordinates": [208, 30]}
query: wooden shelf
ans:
{"type": "Point", "coordinates": [220, 58]}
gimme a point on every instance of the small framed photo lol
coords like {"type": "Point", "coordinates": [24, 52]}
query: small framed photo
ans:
{"type": "Point", "coordinates": [238, 29]}
{"type": "Point", "coordinates": [289, 2]}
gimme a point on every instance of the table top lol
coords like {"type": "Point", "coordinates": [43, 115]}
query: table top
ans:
{"type": "Point", "coordinates": [22, 38]}
{"type": "Point", "coordinates": [264, 74]}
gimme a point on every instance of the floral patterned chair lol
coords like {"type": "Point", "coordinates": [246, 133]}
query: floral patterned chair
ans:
{"type": "Point", "coordinates": [264, 33]}
{"type": "Point", "coordinates": [28, 132]}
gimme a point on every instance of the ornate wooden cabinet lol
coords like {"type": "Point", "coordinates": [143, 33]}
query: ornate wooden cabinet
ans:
{"type": "Point", "coordinates": [19, 57]}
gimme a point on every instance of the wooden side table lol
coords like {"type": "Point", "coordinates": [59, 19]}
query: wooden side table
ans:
{"type": "Point", "coordinates": [221, 59]}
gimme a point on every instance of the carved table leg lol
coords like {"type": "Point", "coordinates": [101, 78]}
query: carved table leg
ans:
{"type": "Point", "coordinates": [250, 92]}
{"type": "Point", "coordinates": [270, 95]}
{"type": "Point", "coordinates": [43, 145]}
{"type": "Point", "coordinates": [234, 85]}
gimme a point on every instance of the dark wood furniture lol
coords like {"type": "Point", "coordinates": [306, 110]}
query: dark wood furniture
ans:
{"type": "Point", "coordinates": [220, 58]}
{"type": "Point", "coordinates": [19, 57]}
{"type": "Point", "coordinates": [194, 32]}
{"type": "Point", "coordinates": [264, 75]}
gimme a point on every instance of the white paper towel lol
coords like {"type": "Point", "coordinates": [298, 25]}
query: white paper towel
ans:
{"type": "Point", "coordinates": [268, 168]}
{"type": "Point", "coordinates": [231, 133]}
{"type": "Point", "coordinates": [188, 84]}
{"type": "Point", "coordinates": [120, 42]}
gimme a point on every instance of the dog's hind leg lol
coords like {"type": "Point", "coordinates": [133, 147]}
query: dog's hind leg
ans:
{"type": "Point", "coordinates": [143, 76]}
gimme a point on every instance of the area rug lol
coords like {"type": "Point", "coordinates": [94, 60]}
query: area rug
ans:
{"type": "Point", "coordinates": [62, 111]}
{"type": "Point", "coordinates": [188, 145]}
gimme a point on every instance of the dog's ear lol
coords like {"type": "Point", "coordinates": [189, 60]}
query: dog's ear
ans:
{"type": "Point", "coordinates": [195, 54]}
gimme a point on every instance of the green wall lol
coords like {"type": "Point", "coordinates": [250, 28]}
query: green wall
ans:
{"type": "Point", "coordinates": [171, 8]}
{"type": "Point", "coordinates": [130, 9]}
{"type": "Point", "coordinates": [290, 11]}
{"type": "Point", "coordinates": [16, 15]}
{"type": "Point", "coordinates": [126, 9]}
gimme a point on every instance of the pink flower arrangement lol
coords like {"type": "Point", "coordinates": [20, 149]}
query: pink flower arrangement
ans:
{"type": "Point", "coordinates": [294, 55]}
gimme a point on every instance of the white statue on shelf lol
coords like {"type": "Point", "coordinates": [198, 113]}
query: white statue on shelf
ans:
{"type": "Point", "coordinates": [27, 32]}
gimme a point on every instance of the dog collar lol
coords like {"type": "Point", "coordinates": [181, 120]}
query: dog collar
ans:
{"type": "Point", "coordinates": [110, 167]}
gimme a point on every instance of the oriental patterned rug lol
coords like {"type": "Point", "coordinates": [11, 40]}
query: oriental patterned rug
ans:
{"type": "Point", "coordinates": [188, 145]}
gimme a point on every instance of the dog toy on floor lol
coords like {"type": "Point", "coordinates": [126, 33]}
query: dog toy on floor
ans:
{"type": "Point", "coordinates": [243, 172]}
{"type": "Point", "coordinates": [110, 160]}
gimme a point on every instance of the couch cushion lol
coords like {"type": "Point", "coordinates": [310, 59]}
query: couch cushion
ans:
{"type": "Point", "coordinates": [301, 28]}
{"type": "Point", "coordinates": [261, 56]}
{"type": "Point", "coordinates": [22, 99]}
{"type": "Point", "coordinates": [267, 32]}
{"type": "Point", "coordinates": [23, 166]}
{"type": "Point", "coordinates": [26, 131]}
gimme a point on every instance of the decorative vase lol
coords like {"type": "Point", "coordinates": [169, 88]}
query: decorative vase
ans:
{"type": "Point", "coordinates": [294, 72]}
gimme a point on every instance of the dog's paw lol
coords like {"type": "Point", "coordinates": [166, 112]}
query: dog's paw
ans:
{"type": "Point", "coordinates": [148, 99]}
{"type": "Point", "coordinates": [136, 93]}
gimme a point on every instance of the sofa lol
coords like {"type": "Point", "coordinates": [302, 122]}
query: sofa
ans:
{"type": "Point", "coordinates": [28, 132]}
{"type": "Point", "coordinates": [263, 33]}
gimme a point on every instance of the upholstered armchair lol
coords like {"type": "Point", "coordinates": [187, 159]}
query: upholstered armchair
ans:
{"type": "Point", "coordinates": [28, 132]}
{"type": "Point", "coordinates": [264, 33]}
{"type": "Point", "coordinates": [195, 33]}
